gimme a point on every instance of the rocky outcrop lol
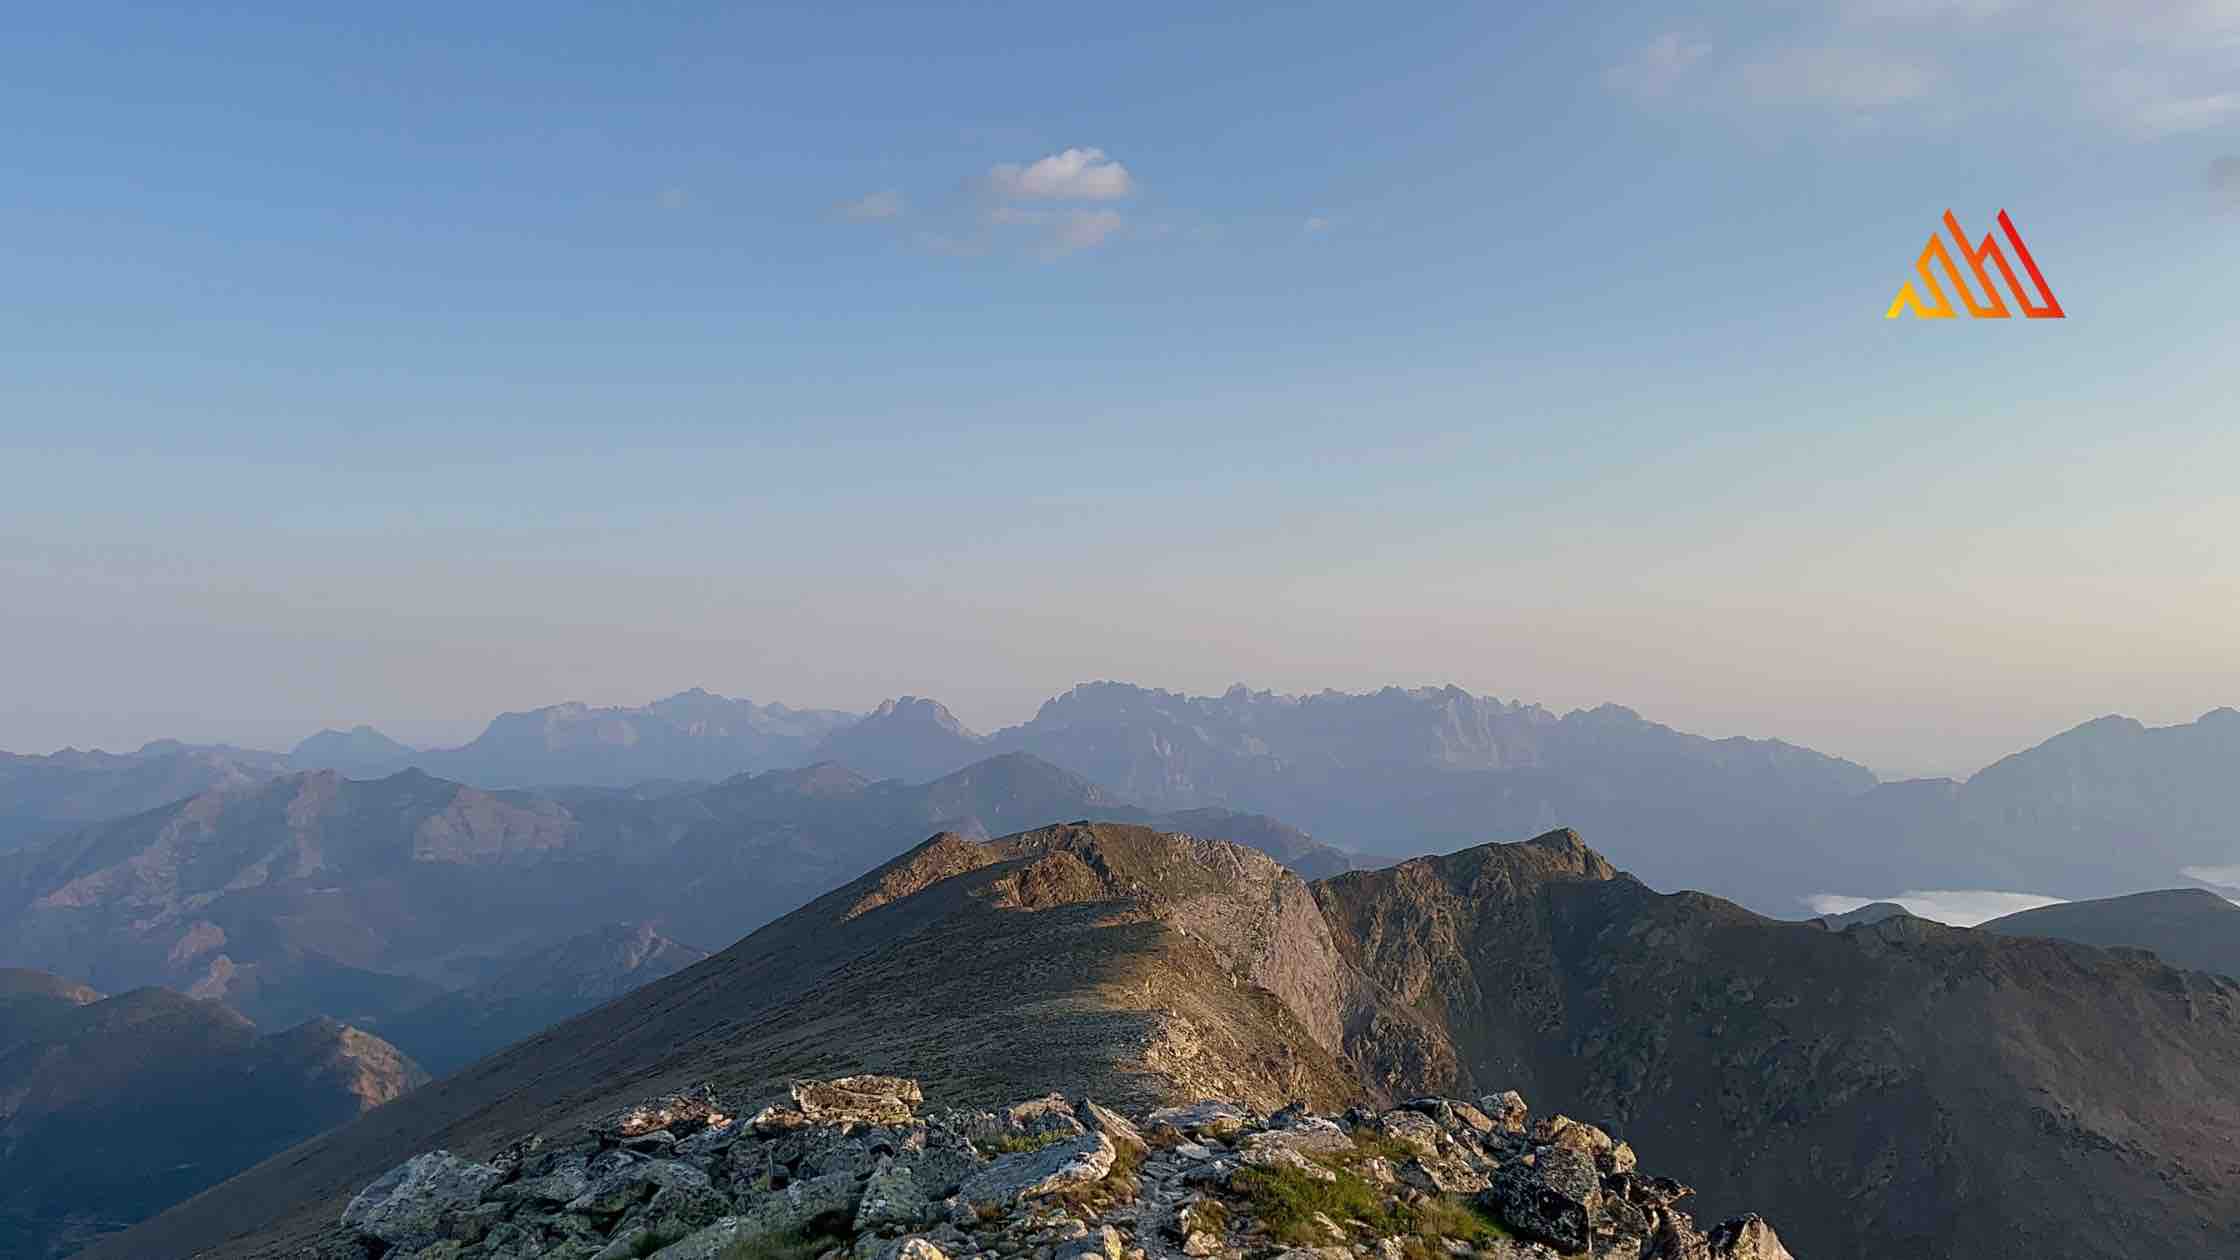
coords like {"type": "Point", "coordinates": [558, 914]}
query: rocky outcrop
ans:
{"type": "Point", "coordinates": [851, 1170]}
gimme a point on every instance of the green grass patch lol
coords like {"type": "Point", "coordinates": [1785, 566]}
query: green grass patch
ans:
{"type": "Point", "coordinates": [806, 1243]}
{"type": "Point", "coordinates": [1285, 1201]}
{"type": "Point", "coordinates": [1450, 1216]}
{"type": "Point", "coordinates": [1019, 1143]}
{"type": "Point", "coordinates": [1206, 1216]}
{"type": "Point", "coordinates": [1368, 1144]}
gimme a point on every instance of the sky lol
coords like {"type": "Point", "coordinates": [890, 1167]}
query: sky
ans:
{"type": "Point", "coordinates": [411, 364]}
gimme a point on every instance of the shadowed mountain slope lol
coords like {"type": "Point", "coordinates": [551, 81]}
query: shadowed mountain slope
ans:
{"type": "Point", "coordinates": [1892, 1089]}
{"type": "Point", "coordinates": [1899, 1088]}
{"type": "Point", "coordinates": [2185, 927]}
{"type": "Point", "coordinates": [114, 1108]}
{"type": "Point", "coordinates": [535, 993]}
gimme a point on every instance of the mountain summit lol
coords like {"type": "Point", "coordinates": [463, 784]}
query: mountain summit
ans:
{"type": "Point", "coordinates": [911, 738]}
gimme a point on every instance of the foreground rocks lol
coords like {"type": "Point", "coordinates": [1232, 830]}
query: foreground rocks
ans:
{"type": "Point", "coordinates": [857, 1169]}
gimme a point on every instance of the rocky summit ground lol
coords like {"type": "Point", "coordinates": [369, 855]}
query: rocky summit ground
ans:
{"type": "Point", "coordinates": [857, 1169]}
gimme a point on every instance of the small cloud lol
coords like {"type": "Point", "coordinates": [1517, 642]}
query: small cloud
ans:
{"type": "Point", "coordinates": [1846, 78]}
{"type": "Point", "coordinates": [1056, 233]}
{"type": "Point", "coordinates": [2150, 108]}
{"type": "Point", "coordinates": [674, 198]}
{"type": "Point", "coordinates": [2224, 187]}
{"type": "Point", "coordinates": [1930, 10]}
{"type": "Point", "coordinates": [1658, 65]}
{"type": "Point", "coordinates": [884, 204]}
{"type": "Point", "coordinates": [1316, 225]}
{"type": "Point", "coordinates": [1073, 175]}
{"type": "Point", "coordinates": [1953, 907]}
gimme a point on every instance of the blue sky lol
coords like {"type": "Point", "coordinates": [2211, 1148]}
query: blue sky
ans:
{"type": "Point", "coordinates": [421, 363]}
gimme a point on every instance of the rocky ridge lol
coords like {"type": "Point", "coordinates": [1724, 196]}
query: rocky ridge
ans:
{"type": "Point", "coordinates": [854, 1169]}
{"type": "Point", "coordinates": [1894, 1089]}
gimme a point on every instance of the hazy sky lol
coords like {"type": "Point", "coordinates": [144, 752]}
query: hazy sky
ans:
{"type": "Point", "coordinates": [433, 360]}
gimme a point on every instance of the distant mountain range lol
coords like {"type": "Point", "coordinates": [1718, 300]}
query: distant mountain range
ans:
{"type": "Point", "coordinates": [114, 1108]}
{"type": "Point", "coordinates": [2109, 807]}
{"type": "Point", "coordinates": [313, 894]}
{"type": "Point", "coordinates": [46, 796]}
{"type": "Point", "coordinates": [1896, 1089]}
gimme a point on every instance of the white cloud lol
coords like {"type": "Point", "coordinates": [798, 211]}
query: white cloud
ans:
{"type": "Point", "coordinates": [1658, 64]}
{"type": "Point", "coordinates": [884, 204]}
{"type": "Point", "coordinates": [1056, 233]}
{"type": "Point", "coordinates": [1073, 175]}
{"type": "Point", "coordinates": [1845, 77]}
{"type": "Point", "coordinates": [674, 198]}
{"type": "Point", "coordinates": [1316, 225]}
{"type": "Point", "coordinates": [1083, 229]}
{"type": "Point", "coordinates": [1956, 907]}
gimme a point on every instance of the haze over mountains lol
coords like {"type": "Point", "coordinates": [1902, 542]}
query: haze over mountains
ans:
{"type": "Point", "coordinates": [311, 893]}
{"type": "Point", "coordinates": [1891, 1089]}
{"type": "Point", "coordinates": [2109, 807]}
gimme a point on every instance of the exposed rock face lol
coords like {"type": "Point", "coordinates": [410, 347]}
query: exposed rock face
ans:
{"type": "Point", "coordinates": [854, 1172]}
{"type": "Point", "coordinates": [415, 1203]}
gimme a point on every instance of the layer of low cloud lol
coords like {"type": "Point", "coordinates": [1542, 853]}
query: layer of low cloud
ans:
{"type": "Point", "coordinates": [1956, 907]}
{"type": "Point", "coordinates": [1070, 175]}
{"type": "Point", "coordinates": [2225, 879]}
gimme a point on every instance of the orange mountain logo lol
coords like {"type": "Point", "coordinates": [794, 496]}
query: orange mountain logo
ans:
{"type": "Point", "coordinates": [1993, 306]}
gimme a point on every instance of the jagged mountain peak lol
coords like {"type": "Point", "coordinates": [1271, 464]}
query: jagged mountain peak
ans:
{"type": "Point", "coordinates": [912, 738]}
{"type": "Point", "coordinates": [918, 709]}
